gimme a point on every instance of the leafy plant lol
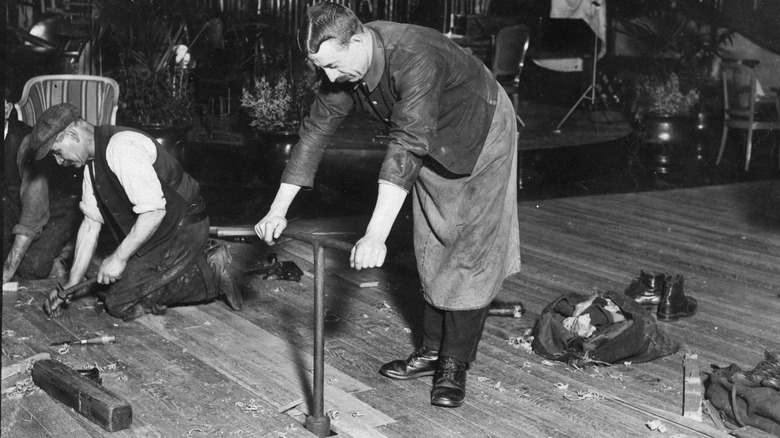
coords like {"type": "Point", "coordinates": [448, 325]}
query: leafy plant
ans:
{"type": "Point", "coordinates": [146, 34]}
{"type": "Point", "coordinates": [149, 98]}
{"type": "Point", "coordinates": [279, 106]}
{"type": "Point", "coordinates": [663, 96]}
{"type": "Point", "coordinates": [674, 35]}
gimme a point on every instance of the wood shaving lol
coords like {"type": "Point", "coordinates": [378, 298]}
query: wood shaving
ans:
{"type": "Point", "coordinates": [523, 341]}
{"type": "Point", "coordinates": [582, 395]}
{"type": "Point", "coordinates": [498, 387]}
{"type": "Point", "coordinates": [549, 363]}
{"type": "Point", "coordinates": [21, 389]}
{"type": "Point", "coordinates": [357, 414]}
{"type": "Point", "coordinates": [483, 379]}
{"type": "Point", "coordinates": [560, 385]}
{"type": "Point", "coordinates": [21, 303]}
{"type": "Point", "coordinates": [65, 349]}
{"type": "Point", "coordinates": [333, 414]}
{"type": "Point", "coordinates": [251, 407]}
{"type": "Point", "coordinates": [8, 333]}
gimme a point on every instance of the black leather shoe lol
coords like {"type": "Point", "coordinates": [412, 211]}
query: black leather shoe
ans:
{"type": "Point", "coordinates": [421, 363]}
{"type": "Point", "coordinates": [647, 289]}
{"type": "Point", "coordinates": [449, 383]}
{"type": "Point", "coordinates": [674, 304]}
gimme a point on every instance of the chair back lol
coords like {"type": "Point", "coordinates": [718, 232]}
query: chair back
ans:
{"type": "Point", "coordinates": [96, 97]}
{"type": "Point", "coordinates": [739, 88]}
{"type": "Point", "coordinates": [511, 46]}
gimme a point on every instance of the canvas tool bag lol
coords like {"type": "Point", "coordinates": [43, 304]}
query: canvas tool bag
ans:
{"type": "Point", "coordinates": [635, 339]}
{"type": "Point", "coordinates": [742, 405]}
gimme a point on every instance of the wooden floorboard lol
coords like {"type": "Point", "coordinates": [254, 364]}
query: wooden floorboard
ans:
{"type": "Point", "coordinates": [209, 371]}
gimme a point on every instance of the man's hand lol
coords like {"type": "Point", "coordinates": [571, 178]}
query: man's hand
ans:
{"type": "Point", "coordinates": [111, 269]}
{"type": "Point", "coordinates": [368, 252]}
{"type": "Point", "coordinates": [271, 227]}
{"type": "Point", "coordinates": [53, 305]}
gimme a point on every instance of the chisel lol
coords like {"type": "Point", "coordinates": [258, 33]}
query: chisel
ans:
{"type": "Point", "coordinates": [100, 340]}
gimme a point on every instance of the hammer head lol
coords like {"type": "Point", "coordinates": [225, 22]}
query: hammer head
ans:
{"type": "Point", "coordinates": [62, 295]}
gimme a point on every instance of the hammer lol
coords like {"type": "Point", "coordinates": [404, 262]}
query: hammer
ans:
{"type": "Point", "coordinates": [67, 294]}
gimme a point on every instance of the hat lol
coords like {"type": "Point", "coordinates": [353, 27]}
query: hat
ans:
{"type": "Point", "coordinates": [53, 121]}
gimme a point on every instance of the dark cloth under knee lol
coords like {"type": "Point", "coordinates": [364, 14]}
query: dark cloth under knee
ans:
{"type": "Point", "coordinates": [454, 333]}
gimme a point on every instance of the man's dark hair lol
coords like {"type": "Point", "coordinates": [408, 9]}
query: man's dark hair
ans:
{"type": "Point", "coordinates": [325, 21]}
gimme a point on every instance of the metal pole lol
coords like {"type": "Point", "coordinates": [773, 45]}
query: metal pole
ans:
{"type": "Point", "coordinates": [319, 423]}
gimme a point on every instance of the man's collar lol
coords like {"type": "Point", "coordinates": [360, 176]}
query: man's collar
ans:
{"type": "Point", "coordinates": [377, 67]}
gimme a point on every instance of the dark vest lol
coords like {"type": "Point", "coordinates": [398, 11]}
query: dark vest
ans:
{"type": "Point", "coordinates": [182, 193]}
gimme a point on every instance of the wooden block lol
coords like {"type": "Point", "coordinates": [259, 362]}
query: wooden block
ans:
{"type": "Point", "coordinates": [362, 278]}
{"type": "Point", "coordinates": [84, 395]}
{"type": "Point", "coordinates": [692, 396]}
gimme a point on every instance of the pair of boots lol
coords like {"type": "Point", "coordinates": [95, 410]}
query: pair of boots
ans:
{"type": "Point", "coordinates": [449, 381]}
{"type": "Point", "coordinates": [665, 293]}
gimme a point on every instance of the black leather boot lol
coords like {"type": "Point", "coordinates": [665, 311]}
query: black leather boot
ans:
{"type": "Point", "coordinates": [674, 304]}
{"type": "Point", "coordinates": [647, 289]}
{"type": "Point", "coordinates": [421, 363]}
{"type": "Point", "coordinates": [449, 383]}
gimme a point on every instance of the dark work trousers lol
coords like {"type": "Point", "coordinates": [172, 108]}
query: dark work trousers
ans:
{"type": "Point", "coordinates": [454, 333]}
{"type": "Point", "coordinates": [173, 273]}
{"type": "Point", "coordinates": [64, 220]}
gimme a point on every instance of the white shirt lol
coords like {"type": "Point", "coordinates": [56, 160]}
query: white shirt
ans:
{"type": "Point", "coordinates": [130, 156]}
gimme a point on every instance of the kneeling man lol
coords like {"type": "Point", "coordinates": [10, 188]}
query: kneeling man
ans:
{"type": "Point", "coordinates": [151, 206]}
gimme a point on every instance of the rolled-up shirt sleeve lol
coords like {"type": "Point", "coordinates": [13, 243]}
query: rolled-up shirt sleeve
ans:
{"type": "Point", "coordinates": [88, 203]}
{"type": "Point", "coordinates": [131, 157]}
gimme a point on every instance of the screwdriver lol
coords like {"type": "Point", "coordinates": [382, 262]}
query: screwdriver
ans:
{"type": "Point", "coordinates": [105, 339]}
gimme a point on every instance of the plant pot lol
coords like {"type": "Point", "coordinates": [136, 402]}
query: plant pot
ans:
{"type": "Point", "coordinates": [172, 138]}
{"type": "Point", "coordinates": [272, 151]}
{"type": "Point", "coordinates": [665, 139]}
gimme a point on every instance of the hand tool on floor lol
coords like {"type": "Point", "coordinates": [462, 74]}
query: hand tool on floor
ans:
{"type": "Point", "coordinates": [83, 394]}
{"type": "Point", "coordinates": [500, 308]}
{"type": "Point", "coordinates": [97, 340]}
{"type": "Point", "coordinates": [68, 294]}
{"type": "Point", "coordinates": [277, 270]}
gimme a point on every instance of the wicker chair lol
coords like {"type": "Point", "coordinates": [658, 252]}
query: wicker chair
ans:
{"type": "Point", "coordinates": [97, 97]}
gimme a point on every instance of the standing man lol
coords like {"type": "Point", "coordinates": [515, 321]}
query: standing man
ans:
{"type": "Point", "coordinates": [453, 143]}
{"type": "Point", "coordinates": [41, 205]}
{"type": "Point", "coordinates": [151, 206]}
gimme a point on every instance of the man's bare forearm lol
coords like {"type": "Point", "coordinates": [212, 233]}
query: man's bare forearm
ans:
{"type": "Point", "coordinates": [143, 229]}
{"type": "Point", "coordinates": [86, 243]}
{"type": "Point", "coordinates": [15, 256]}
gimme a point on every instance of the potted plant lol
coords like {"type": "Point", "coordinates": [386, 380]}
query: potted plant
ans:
{"type": "Point", "coordinates": [664, 118]}
{"type": "Point", "coordinates": [152, 64]}
{"type": "Point", "coordinates": [276, 108]}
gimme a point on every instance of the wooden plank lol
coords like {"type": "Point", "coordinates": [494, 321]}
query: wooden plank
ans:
{"type": "Point", "coordinates": [253, 363]}
{"type": "Point", "coordinates": [692, 384]}
{"type": "Point", "coordinates": [362, 278]}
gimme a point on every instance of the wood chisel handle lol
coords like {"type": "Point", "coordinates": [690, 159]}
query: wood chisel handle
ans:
{"type": "Point", "coordinates": [99, 340]}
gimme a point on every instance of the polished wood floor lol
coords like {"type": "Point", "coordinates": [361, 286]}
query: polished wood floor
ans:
{"type": "Point", "coordinates": [209, 371]}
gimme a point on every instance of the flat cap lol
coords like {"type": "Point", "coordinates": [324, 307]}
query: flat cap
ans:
{"type": "Point", "coordinates": [53, 121]}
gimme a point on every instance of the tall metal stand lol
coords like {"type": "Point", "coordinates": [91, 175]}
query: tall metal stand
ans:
{"type": "Point", "coordinates": [317, 422]}
{"type": "Point", "coordinates": [590, 90]}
